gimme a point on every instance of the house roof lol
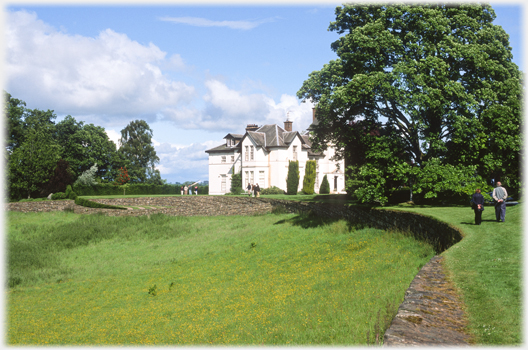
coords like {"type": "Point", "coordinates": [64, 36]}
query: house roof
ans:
{"type": "Point", "coordinates": [270, 135]}
{"type": "Point", "coordinates": [222, 148]}
{"type": "Point", "coordinates": [234, 136]}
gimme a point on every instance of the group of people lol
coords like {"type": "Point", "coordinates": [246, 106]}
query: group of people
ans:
{"type": "Point", "coordinates": [253, 190]}
{"type": "Point", "coordinates": [184, 190]}
{"type": "Point", "coordinates": [499, 196]}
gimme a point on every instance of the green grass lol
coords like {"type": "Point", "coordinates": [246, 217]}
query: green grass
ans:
{"type": "Point", "coordinates": [486, 267]}
{"type": "Point", "coordinates": [276, 279]}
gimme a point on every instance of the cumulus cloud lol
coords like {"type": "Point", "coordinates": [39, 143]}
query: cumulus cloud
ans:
{"type": "Point", "coordinates": [230, 110]}
{"type": "Point", "coordinates": [203, 22]}
{"type": "Point", "coordinates": [184, 162]}
{"type": "Point", "coordinates": [108, 75]}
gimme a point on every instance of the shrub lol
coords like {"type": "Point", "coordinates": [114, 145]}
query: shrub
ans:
{"type": "Point", "coordinates": [236, 183]}
{"type": "Point", "coordinates": [89, 204]}
{"type": "Point", "coordinates": [272, 190]}
{"type": "Point", "coordinates": [58, 195]}
{"type": "Point", "coordinates": [292, 182]}
{"type": "Point", "coordinates": [87, 178]}
{"type": "Point", "coordinates": [69, 193]}
{"type": "Point", "coordinates": [309, 177]}
{"type": "Point", "coordinates": [325, 186]}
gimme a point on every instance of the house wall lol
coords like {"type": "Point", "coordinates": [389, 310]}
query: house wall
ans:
{"type": "Point", "coordinates": [221, 172]}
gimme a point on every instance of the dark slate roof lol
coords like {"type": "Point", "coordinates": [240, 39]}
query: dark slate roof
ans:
{"type": "Point", "coordinates": [270, 135]}
{"type": "Point", "coordinates": [221, 148]}
{"type": "Point", "coordinates": [234, 136]}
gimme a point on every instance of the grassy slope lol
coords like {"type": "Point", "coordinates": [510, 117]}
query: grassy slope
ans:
{"type": "Point", "coordinates": [486, 266]}
{"type": "Point", "coordinates": [272, 279]}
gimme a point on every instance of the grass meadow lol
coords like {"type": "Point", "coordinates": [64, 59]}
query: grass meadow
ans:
{"type": "Point", "coordinates": [486, 267]}
{"type": "Point", "coordinates": [275, 279]}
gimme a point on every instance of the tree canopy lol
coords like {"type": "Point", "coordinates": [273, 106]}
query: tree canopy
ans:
{"type": "Point", "coordinates": [43, 156]}
{"type": "Point", "coordinates": [136, 147]}
{"type": "Point", "coordinates": [439, 77]}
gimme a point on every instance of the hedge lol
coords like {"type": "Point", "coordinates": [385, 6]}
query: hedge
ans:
{"type": "Point", "coordinates": [90, 204]}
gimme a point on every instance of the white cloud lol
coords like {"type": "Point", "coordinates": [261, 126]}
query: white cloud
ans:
{"type": "Point", "coordinates": [203, 22]}
{"type": "Point", "coordinates": [109, 75]}
{"type": "Point", "coordinates": [230, 110]}
{"type": "Point", "coordinates": [113, 136]}
{"type": "Point", "coordinates": [184, 162]}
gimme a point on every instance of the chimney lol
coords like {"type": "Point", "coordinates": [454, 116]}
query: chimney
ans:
{"type": "Point", "coordinates": [313, 113]}
{"type": "Point", "coordinates": [288, 125]}
{"type": "Point", "coordinates": [252, 127]}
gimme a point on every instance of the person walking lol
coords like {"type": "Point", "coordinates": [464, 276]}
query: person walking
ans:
{"type": "Point", "coordinates": [257, 190]}
{"type": "Point", "coordinates": [185, 190]}
{"type": "Point", "coordinates": [477, 203]}
{"type": "Point", "coordinates": [196, 190]}
{"type": "Point", "coordinates": [249, 189]}
{"type": "Point", "coordinates": [499, 195]}
{"type": "Point", "coordinates": [182, 190]}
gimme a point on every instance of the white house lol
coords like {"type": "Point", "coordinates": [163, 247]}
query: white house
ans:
{"type": "Point", "coordinates": [263, 153]}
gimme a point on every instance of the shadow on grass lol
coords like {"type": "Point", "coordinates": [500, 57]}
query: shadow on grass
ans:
{"type": "Point", "coordinates": [310, 220]}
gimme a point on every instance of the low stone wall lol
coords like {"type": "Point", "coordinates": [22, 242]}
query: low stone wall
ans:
{"type": "Point", "coordinates": [174, 206]}
{"type": "Point", "coordinates": [440, 234]}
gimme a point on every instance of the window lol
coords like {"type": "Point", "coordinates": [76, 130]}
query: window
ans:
{"type": "Point", "coordinates": [251, 178]}
{"type": "Point", "coordinates": [223, 186]}
{"type": "Point", "coordinates": [247, 153]}
{"type": "Point", "coordinates": [252, 154]}
{"type": "Point", "coordinates": [247, 179]}
{"type": "Point", "coordinates": [294, 153]}
{"type": "Point", "coordinates": [261, 179]}
{"type": "Point", "coordinates": [223, 159]}
{"type": "Point", "coordinates": [232, 159]}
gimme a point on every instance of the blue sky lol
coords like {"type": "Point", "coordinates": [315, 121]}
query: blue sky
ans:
{"type": "Point", "coordinates": [194, 73]}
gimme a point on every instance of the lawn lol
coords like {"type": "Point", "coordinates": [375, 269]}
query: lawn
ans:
{"type": "Point", "coordinates": [486, 267]}
{"type": "Point", "coordinates": [275, 279]}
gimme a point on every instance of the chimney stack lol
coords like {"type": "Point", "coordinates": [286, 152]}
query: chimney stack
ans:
{"type": "Point", "coordinates": [313, 114]}
{"type": "Point", "coordinates": [288, 125]}
{"type": "Point", "coordinates": [252, 127]}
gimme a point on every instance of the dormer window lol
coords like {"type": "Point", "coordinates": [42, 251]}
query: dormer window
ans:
{"type": "Point", "coordinates": [228, 144]}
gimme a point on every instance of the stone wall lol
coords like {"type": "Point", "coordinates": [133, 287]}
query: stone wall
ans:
{"type": "Point", "coordinates": [438, 233]}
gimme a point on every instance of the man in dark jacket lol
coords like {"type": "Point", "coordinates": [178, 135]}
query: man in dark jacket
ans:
{"type": "Point", "coordinates": [477, 203]}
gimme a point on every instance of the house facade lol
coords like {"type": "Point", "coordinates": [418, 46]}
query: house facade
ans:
{"type": "Point", "coordinates": [263, 154]}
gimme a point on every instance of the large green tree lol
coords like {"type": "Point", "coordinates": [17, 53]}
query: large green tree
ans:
{"type": "Point", "coordinates": [84, 145]}
{"type": "Point", "coordinates": [32, 162]}
{"type": "Point", "coordinates": [441, 76]}
{"type": "Point", "coordinates": [136, 147]}
{"type": "Point", "coordinates": [14, 110]}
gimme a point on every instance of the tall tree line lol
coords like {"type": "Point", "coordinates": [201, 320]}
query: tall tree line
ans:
{"type": "Point", "coordinates": [42, 156]}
